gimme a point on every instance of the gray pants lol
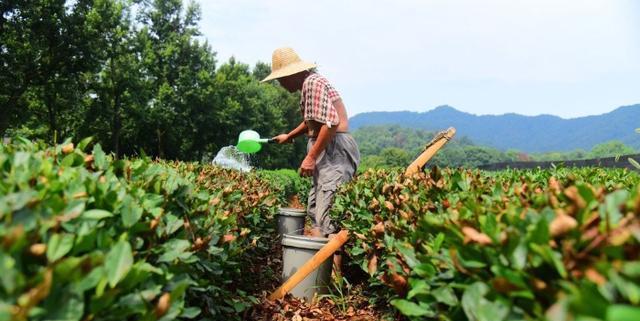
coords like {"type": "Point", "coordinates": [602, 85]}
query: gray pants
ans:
{"type": "Point", "coordinates": [336, 165]}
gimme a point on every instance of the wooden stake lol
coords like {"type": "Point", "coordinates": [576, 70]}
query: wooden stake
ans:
{"type": "Point", "coordinates": [324, 253]}
{"type": "Point", "coordinates": [430, 150]}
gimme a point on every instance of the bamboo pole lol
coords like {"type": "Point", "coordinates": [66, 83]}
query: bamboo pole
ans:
{"type": "Point", "coordinates": [430, 150]}
{"type": "Point", "coordinates": [324, 253]}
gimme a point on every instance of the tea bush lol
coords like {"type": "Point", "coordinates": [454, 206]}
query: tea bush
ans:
{"type": "Point", "coordinates": [83, 236]}
{"type": "Point", "coordinates": [512, 245]}
{"type": "Point", "coordinates": [287, 183]}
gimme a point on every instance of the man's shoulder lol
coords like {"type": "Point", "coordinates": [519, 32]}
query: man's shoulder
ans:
{"type": "Point", "coordinates": [316, 79]}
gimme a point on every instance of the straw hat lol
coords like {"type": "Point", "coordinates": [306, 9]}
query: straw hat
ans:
{"type": "Point", "coordinates": [285, 62]}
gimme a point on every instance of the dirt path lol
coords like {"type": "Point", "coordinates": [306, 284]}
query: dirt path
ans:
{"type": "Point", "coordinates": [356, 308]}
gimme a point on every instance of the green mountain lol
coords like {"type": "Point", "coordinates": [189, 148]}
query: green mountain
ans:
{"type": "Point", "coordinates": [393, 145]}
{"type": "Point", "coordinates": [397, 146]}
{"type": "Point", "coordinates": [532, 134]}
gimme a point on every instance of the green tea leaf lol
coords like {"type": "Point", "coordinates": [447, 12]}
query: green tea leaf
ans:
{"type": "Point", "coordinates": [472, 298]}
{"type": "Point", "coordinates": [67, 161]}
{"type": "Point", "coordinates": [408, 253]}
{"type": "Point", "coordinates": [629, 290]}
{"type": "Point", "coordinates": [519, 255]}
{"type": "Point", "coordinates": [190, 312]}
{"type": "Point", "coordinates": [540, 232]}
{"type": "Point", "coordinates": [91, 280]}
{"type": "Point", "coordinates": [68, 306]}
{"type": "Point", "coordinates": [551, 257]}
{"type": "Point", "coordinates": [425, 270]}
{"type": "Point", "coordinates": [620, 312]}
{"type": "Point", "coordinates": [59, 245]}
{"type": "Point", "coordinates": [118, 262]}
{"type": "Point", "coordinates": [476, 307]}
{"type": "Point", "coordinates": [613, 202]}
{"type": "Point", "coordinates": [631, 269]}
{"type": "Point", "coordinates": [9, 275]}
{"type": "Point", "coordinates": [84, 143]}
{"type": "Point", "coordinates": [409, 308]}
{"type": "Point", "coordinates": [445, 295]}
{"type": "Point", "coordinates": [131, 212]}
{"type": "Point", "coordinates": [99, 157]}
{"type": "Point", "coordinates": [175, 249]}
{"type": "Point", "coordinates": [418, 287]}
{"type": "Point", "coordinates": [438, 242]}
{"type": "Point", "coordinates": [96, 214]}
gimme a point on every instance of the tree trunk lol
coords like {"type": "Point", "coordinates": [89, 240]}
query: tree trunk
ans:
{"type": "Point", "coordinates": [117, 126]}
{"type": "Point", "coordinates": [51, 110]}
{"type": "Point", "coordinates": [160, 149]}
{"type": "Point", "coordinates": [4, 120]}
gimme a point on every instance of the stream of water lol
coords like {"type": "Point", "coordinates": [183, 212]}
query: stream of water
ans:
{"type": "Point", "coordinates": [231, 157]}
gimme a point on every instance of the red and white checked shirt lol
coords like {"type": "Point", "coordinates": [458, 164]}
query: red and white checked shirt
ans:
{"type": "Point", "coordinates": [316, 102]}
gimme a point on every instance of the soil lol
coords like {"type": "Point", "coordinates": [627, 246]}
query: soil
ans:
{"type": "Point", "coordinates": [290, 308]}
{"type": "Point", "coordinates": [353, 306]}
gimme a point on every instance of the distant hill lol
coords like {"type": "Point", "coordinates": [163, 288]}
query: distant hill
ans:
{"type": "Point", "coordinates": [531, 134]}
{"type": "Point", "coordinates": [393, 145]}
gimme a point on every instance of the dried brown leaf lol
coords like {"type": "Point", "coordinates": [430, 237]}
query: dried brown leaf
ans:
{"type": "Point", "coordinates": [67, 149]}
{"type": "Point", "coordinates": [562, 224]}
{"type": "Point", "coordinates": [594, 276]}
{"type": "Point", "coordinates": [378, 229]}
{"type": "Point", "coordinates": [471, 235]}
{"type": "Point", "coordinates": [372, 266]}
{"type": "Point", "coordinates": [163, 304]}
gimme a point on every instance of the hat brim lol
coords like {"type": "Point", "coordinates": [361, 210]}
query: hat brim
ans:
{"type": "Point", "coordinates": [290, 70]}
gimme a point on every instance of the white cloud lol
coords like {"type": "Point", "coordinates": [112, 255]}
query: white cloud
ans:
{"type": "Point", "coordinates": [490, 56]}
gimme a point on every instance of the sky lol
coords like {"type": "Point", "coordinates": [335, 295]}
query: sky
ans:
{"type": "Point", "coordinates": [569, 58]}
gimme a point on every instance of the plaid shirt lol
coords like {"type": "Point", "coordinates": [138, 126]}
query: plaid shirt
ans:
{"type": "Point", "coordinates": [316, 102]}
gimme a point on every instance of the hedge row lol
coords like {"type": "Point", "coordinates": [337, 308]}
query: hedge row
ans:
{"type": "Point", "coordinates": [514, 245]}
{"type": "Point", "coordinates": [83, 236]}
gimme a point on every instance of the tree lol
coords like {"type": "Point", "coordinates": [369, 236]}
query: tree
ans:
{"type": "Point", "coordinates": [144, 84]}
{"type": "Point", "coordinates": [609, 149]}
{"type": "Point", "coordinates": [261, 70]}
{"type": "Point", "coordinates": [172, 60]}
{"type": "Point", "coordinates": [633, 161]}
{"type": "Point", "coordinates": [245, 103]}
{"type": "Point", "coordinates": [117, 89]}
{"type": "Point", "coordinates": [395, 157]}
{"type": "Point", "coordinates": [45, 54]}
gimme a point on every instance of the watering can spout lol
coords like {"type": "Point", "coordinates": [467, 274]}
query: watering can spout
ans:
{"type": "Point", "coordinates": [249, 141]}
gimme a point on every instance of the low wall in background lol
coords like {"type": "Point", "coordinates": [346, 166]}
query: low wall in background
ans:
{"type": "Point", "coordinates": [618, 162]}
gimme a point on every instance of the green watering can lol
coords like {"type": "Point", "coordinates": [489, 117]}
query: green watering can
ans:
{"type": "Point", "coordinates": [249, 142]}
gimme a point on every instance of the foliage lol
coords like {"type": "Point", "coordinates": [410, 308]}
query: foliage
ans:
{"type": "Point", "coordinates": [472, 245]}
{"type": "Point", "coordinates": [85, 236]}
{"type": "Point", "coordinates": [136, 76]}
{"type": "Point", "coordinates": [633, 161]}
{"type": "Point", "coordinates": [607, 149]}
{"type": "Point", "coordinates": [388, 146]}
{"type": "Point", "coordinates": [395, 146]}
{"type": "Point", "coordinates": [287, 183]}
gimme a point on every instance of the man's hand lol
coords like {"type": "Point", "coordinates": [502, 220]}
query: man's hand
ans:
{"type": "Point", "coordinates": [307, 167]}
{"type": "Point", "coordinates": [283, 139]}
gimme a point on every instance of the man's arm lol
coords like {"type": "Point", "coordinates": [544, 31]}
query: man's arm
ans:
{"type": "Point", "coordinates": [324, 137]}
{"type": "Point", "coordinates": [287, 138]}
{"type": "Point", "coordinates": [301, 129]}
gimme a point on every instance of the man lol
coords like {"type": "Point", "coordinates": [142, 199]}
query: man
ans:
{"type": "Point", "coordinates": [332, 154]}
